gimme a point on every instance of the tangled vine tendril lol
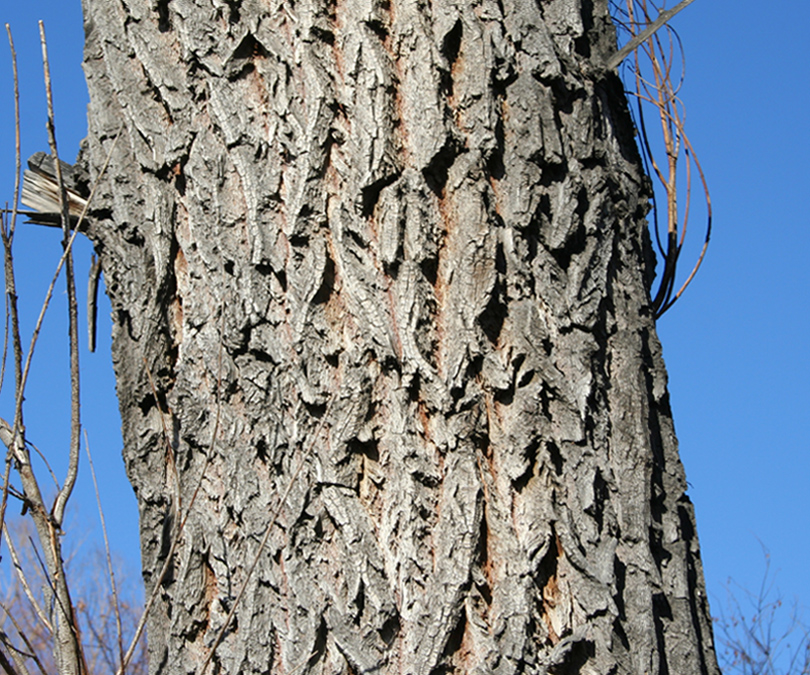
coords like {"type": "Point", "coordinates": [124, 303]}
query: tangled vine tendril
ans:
{"type": "Point", "coordinates": [653, 75]}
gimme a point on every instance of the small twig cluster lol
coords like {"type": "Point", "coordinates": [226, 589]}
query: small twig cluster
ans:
{"type": "Point", "coordinates": [39, 607]}
{"type": "Point", "coordinates": [756, 636]}
{"type": "Point", "coordinates": [653, 78]}
{"type": "Point", "coordinates": [97, 611]}
{"type": "Point", "coordinates": [59, 616]}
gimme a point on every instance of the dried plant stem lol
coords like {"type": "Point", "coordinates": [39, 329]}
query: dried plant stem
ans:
{"type": "Point", "coordinates": [17, 155]}
{"type": "Point", "coordinates": [633, 44]}
{"type": "Point", "coordinates": [661, 92]}
{"type": "Point", "coordinates": [13, 211]}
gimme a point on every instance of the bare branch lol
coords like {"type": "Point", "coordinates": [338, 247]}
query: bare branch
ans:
{"type": "Point", "coordinates": [32, 653]}
{"type": "Point", "coordinates": [755, 636]}
{"type": "Point", "coordinates": [15, 559]}
{"type": "Point", "coordinates": [17, 155]}
{"type": "Point", "coordinates": [634, 43]}
{"type": "Point", "coordinates": [5, 664]}
{"type": "Point", "coordinates": [7, 235]}
{"type": "Point", "coordinates": [63, 495]}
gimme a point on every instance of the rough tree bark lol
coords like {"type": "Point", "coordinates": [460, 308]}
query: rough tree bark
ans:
{"type": "Point", "coordinates": [401, 246]}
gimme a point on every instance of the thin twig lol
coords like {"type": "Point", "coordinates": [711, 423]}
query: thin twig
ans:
{"type": "Point", "coordinates": [17, 154]}
{"type": "Point", "coordinates": [6, 484]}
{"type": "Point", "coordinates": [32, 653]}
{"type": "Point", "coordinates": [11, 295]}
{"type": "Point", "coordinates": [44, 459]}
{"type": "Point", "coordinates": [9, 233]}
{"type": "Point", "coordinates": [15, 560]}
{"type": "Point", "coordinates": [49, 293]}
{"type": "Point", "coordinates": [660, 92]}
{"type": "Point", "coordinates": [80, 666]}
{"type": "Point", "coordinates": [663, 17]}
{"type": "Point", "coordinates": [110, 571]}
{"type": "Point", "coordinates": [6, 324]}
{"type": "Point", "coordinates": [5, 664]}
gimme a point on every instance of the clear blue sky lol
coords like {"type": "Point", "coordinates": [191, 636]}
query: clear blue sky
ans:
{"type": "Point", "coordinates": [736, 345]}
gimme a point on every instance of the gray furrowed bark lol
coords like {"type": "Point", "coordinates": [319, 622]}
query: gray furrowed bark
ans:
{"type": "Point", "coordinates": [403, 242]}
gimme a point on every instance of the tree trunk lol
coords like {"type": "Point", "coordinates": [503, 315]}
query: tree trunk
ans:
{"type": "Point", "coordinates": [379, 275]}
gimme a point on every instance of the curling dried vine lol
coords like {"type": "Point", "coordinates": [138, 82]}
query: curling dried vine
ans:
{"type": "Point", "coordinates": [653, 76]}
